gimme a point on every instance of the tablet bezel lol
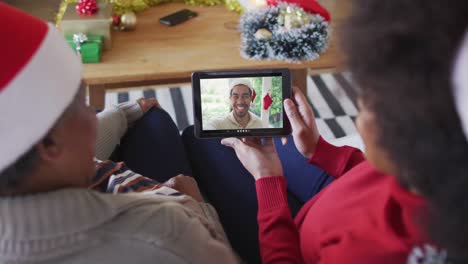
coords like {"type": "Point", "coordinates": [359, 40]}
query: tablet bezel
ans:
{"type": "Point", "coordinates": [266, 132]}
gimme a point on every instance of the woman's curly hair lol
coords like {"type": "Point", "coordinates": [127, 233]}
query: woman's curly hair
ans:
{"type": "Point", "coordinates": [401, 53]}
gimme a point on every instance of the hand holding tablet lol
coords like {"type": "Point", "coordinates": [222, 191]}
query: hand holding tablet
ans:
{"type": "Point", "coordinates": [241, 103]}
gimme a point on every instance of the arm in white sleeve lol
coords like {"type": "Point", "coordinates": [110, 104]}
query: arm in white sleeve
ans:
{"type": "Point", "coordinates": [112, 125]}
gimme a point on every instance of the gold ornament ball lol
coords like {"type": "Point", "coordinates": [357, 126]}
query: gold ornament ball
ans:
{"type": "Point", "coordinates": [128, 21]}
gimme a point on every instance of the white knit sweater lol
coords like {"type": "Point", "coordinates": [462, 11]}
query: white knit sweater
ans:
{"type": "Point", "coordinates": [85, 226]}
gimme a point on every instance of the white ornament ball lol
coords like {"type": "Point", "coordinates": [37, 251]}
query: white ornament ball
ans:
{"type": "Point", "coordinates": [263, 33]}
{"type": "Point", "coordinates": [128, 21]}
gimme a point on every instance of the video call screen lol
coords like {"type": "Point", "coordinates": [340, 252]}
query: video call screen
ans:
{"type": "Point", "coordinates": [242, 103]}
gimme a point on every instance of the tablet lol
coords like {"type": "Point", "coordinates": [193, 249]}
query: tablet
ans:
{"type": "Point", "coordinates": [242, 103]}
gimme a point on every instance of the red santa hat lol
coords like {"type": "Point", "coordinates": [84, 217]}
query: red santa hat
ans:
{"type": "Point", "coordinates": [311, 6]}
{"type": "Point", "coordinates": [460, 87]}
{"type": "Point", "coordinates": [39, 77]}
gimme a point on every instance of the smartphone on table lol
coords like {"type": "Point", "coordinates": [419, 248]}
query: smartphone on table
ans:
{"type": "Point", "coordinates": [178, 17]}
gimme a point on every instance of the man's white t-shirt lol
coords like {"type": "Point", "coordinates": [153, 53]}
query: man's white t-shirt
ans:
{"type": "Point", "coordinates": [229, 122]}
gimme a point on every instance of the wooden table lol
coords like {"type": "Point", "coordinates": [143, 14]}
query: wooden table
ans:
{"type": "Point", "coordinates": [157, 54]}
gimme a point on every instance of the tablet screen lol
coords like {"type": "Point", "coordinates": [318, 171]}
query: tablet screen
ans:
{"type": "Point", "coordinates": [240, 103]}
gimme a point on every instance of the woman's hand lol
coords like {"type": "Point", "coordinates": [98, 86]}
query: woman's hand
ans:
{"type": "Point", "coordinates": [259, 158]}
{"type": "Point", "coordinates": [302, 119]}
{"type": "Point", "coordinates": [186, 185]}
{"type": "Point", "coordinates": [147, 104]}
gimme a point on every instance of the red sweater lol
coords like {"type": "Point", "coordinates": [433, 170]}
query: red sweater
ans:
{"type": "Point", "coordinates": [364, 216]}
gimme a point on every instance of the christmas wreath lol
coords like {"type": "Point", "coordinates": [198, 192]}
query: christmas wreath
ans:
{"type": "Point", "coordinates": [284, 31]}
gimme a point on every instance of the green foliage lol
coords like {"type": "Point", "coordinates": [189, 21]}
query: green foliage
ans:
{"type": "Point", "coordinates": [276, 94]}
{"type": "Point", "coordinates": [214, 96]}
{"type": "Point", "coordinates": [257, 85]}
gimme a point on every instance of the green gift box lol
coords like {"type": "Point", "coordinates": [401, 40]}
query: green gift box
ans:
{"type": "Point", "coordinates": [90, 49]}
{"type": "Point", "coordinates": [98, 24]}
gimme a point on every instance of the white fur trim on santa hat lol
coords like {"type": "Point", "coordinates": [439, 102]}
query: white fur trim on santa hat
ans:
{"type": "Point", "coordinates": [245, 82]}
{"type": "Point", "coordinates": [37, 96]}
{"type": "Point", "coordinates": [460, 80]}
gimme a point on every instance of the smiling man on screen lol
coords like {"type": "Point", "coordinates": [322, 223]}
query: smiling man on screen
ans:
{"type": "Point", "coordinates": [240, 97]}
